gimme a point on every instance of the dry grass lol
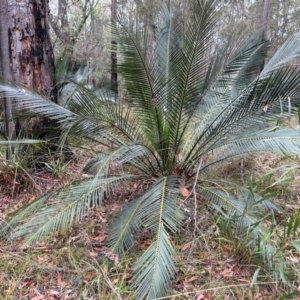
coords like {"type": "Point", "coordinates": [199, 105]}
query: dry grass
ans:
{"type": "Point", "coordinates": [212, 264]}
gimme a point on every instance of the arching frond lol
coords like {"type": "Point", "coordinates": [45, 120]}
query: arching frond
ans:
{"type": "Point", "coordinates": [159, 206]}
{"type": "Point", "coordinates": [247, 113]}
{"type": "Point", "coordinates": [225, 79]}
{"type": "Point", "coordinates": [8, 226]}
{"type": "Point", "coordinates": [279, 140]}
{"type": "Point", "coordinates": [155, 211]}
{"type": "Point", "coordinates": [123, 232]}
{"type": "Point", "coordinates": [60, 211]}
{"type": "Point", "coordinates": [155, 270]}
{"type": "Point", "coordinates": [136, 70]}
{"type": "Point", "coordinates": [124, 154]}
{"type": "Point", "coordinates": [245, 108]}
{"type": "Point", "coordinates": [241, 207]}
{"type": "Point", "coordinates": [288, 52]}
{"type": "Point", "coordinates": [29, 102]}
{"type": "Point", "coordinates": [191, 64]}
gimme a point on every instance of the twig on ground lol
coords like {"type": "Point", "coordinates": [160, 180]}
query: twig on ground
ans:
{"type": "Point", "coordinates": [195, 193]}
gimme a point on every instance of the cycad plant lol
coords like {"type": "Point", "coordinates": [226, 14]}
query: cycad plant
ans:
{"type": "Point", "coordinates": [185, 106]}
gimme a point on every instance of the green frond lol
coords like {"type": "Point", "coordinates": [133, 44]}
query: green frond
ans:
{"type": "Point", "coordinates": [285, 55]}
{"type": "Point", "coordinates": [279, 140]}
{"type": "Point", "coordinates": [155, 270]}
{"type": "Point", "coordinates": [226, 77]}
{"type": "Point", "coordinates": [246, 113]}
{"type": "Point", "coordinates": [246, 108]}
{"type": "Point", "coordinates": [123, 232]}
{"type": "Point", "coordinates": [101, 119]}
{"type": "Point", "coordinates": [124, 154]}
{"type": "Point", "coordinates": [60, 211]}
{"type": "Point", "coordinates": [156, 211]}
{"type": "Point", "coordinates": [16, 218]}
{"type": "Point", "coordinates": [159, 205]}
{"type": "Point", "coordinates": [137, 71]}
{"type": "Point", "coordinates": [29, 103]}
{"type": "Point", "coordinates": [163, 196]}
{"type": "Point", "coordinates": [250, 197]}
{"type": "Point", "coordinates": [237, 207]}
{"type": "Point", "coordinates": [134, 67]}
{"type": "Point", "coordinates": [191, 65]}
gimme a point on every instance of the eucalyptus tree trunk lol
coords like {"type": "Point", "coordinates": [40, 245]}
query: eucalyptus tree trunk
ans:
{"type": "Point", "coordinates": [26, 50]}
{"type": "Point", "coordinates": [5, 69]}
{"type": "Point", "coordinates": [114, 74]}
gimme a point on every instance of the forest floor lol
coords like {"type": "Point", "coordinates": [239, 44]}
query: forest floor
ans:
{"type": "Point", "coordinates": [212, 264]}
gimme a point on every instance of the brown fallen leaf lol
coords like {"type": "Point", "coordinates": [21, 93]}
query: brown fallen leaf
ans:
{"type": "Point", "coordinates": [39, 297]}
{"type": "Point", "coordinates": [292, 259]}
{"type": "Point", "coordinates": [193, 278]}
{"type": "Point", "coordinates": [113, 256]}
{"type": "Point", "coordinates": [200, 297]}
{"type": "Point", "coordinates": [184, 191]}
{"type": "Point", "coordinates": [42, 258]}
{"type": "Point", "coordinates": [101, 238]}
{"type": "Point", "coordinates": [243, 280]}
{"type": "Point", "coordinates": [227, 273]}
{"type": "Point", "coordinates": [58, 277]}
{"type": "Point", "coordinates": [186, 247]}
{"type": "Point", "coordinates": [59, 280]}
{"type": "Point", "coordinates": [90, 275]}
{"type": "Point", "coordinates": [27, 283]}
{"type": "Point", "coordinates": [54, 293]}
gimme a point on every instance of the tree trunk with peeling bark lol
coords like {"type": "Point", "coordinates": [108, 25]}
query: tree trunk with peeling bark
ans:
{"type": "Point", "coordinates": [26, 50]}
{"type": "Point", "coordinates": [6, 69]}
